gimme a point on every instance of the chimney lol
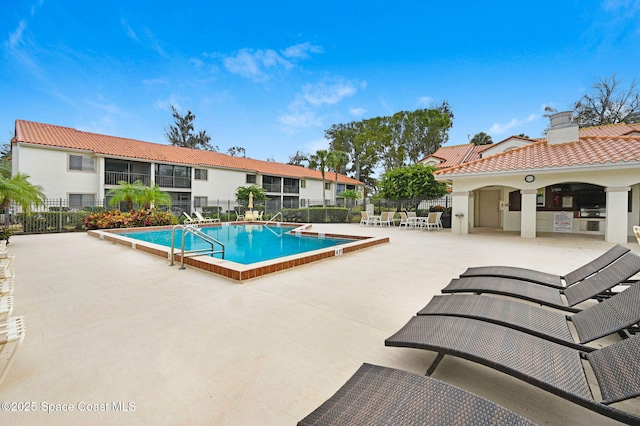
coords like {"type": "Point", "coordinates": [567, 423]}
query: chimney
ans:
{"type": "Point", "coordinates": [562, 129]}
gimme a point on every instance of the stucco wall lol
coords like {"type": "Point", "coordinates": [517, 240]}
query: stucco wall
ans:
{"type": "Point", "coordinates": [49, 168]}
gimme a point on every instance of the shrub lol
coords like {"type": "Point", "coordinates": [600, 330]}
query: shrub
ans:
{"type": "Point", "coordinates": [136, 218]}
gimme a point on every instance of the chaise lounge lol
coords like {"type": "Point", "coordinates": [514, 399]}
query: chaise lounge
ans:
{"type": "Point", "coordinates": [547, 365]}
{"type": "Point", "coordinates": [624, 268]}
{"type": "Point", "coordinates": [618, 314]}
{"type": "Point", "coordinates": [545, 278]}
{"type": "Point", "coordinates": [377, 395]}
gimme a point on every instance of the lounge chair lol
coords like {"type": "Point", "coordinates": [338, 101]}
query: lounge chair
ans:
{"type": "Point", "coordinates": [6, 306]}
{"type": "Point", "coordinates": [636, 231]}
{"type": "Point", "coordinates": [202, 219]}
{"type": "Point", "coordinates": [591, 287]}
{"type": "Point", "coordinates": [6, 287]}
{"type": "Point", "coordinates": [549, 279]}
{"type": "Point", "coordinates": [618, 314]}
{"type": "Point", "coordinates": [377, 395]}
{"type": "Point", "coordinates": [189, 220]}
{"type": "Point", "coordinates": [12, 332]}
{"type": "Point", "coordinates": [547, 365]}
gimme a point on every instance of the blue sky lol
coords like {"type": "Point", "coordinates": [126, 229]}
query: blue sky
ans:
{"type": "Point", "coordinates": [271, 77]}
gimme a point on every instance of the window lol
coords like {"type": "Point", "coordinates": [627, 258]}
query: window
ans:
{"type": "Point", "coordinates": [81, 200]}
{"type": "Point", "coordinates": [251, 179]}
{"type": "Point", "coordinates": [81, 163]}
{"type": "Point", "coordinates": [327, 185]}
{"type": "Point", "coordinates": [200, 201]}
{"type": "Point", "coordinates": [303, 183]}
{"type": "Point", "coordinates": [201, 174]}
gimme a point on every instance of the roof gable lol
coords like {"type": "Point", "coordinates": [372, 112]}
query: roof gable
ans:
{"type": "Point", "coordinates": [104, 145]}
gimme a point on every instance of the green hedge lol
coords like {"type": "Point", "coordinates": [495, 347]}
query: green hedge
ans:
{"type": "Point", "coordinates": [316, 215]}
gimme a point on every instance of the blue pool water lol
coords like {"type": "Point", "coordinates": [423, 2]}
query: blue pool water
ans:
{"type": "Point", "coordinates": [243, 243]}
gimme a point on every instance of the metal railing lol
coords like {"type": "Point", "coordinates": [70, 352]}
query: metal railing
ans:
{"type": "Point", "coordinates": [113, 178]}
{"type": "Point", "coordinates": [190, 229]}
{"type": "Point", "coordinates": [274, 216]}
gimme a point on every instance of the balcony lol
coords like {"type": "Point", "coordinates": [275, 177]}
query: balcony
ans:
{"type": "Point", "coordinates": [112, 178]}
{"type": "Point", "coordinates": [291, 189]}
{"type": "Point", "coordinates": [271, 187]}
{"type": "Point", "coordinates": [173, 182]}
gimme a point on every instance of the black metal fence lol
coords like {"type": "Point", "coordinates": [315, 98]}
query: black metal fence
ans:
{"type": "Point", "coordinates": [65, 215]}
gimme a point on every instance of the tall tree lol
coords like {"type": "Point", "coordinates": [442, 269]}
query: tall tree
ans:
{"type": "Point", "coordinates": [183, 133]}
{"type": "Point", "coordinates": [319, 161]}
{"type": "Point", "coordinates": [19, 190]}
{"type": "Point", "coordinates": [298, 158]}
{"type": "Point", "coordinates": [337, 161]}
{"type": "Point", "coordinates": [414, 183]}
{"type": "Point", "coordinates": [237, 151]}
{"type": "Point", "coordinates": [481, 138]}
{"type": "Point", "coordinates": [609, 104]}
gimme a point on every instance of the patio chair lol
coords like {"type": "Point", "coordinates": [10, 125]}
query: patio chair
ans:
{"type": "Point", "coordinates": [202, 219]}
{"type": "Point", "coordinates": [6, 287]}
{"type": "Point", "coordinates": [377, 395]}
{"type": "Point", "coordinates": [385, 219]}
{"type": "Point", "coordinates": [589, 288]}
{"type": "Point", "coordinates": [557, 281]}
{"type": "Point", "coordinates": [555, 368]}
{"type": "Point", "coordinates": [404, 220]}
{"type": "Point", "coordinates": [618, 314]}
{"type": "Point", "coordinates": [259, 216]}
{"type": "Point", "coordinates": [433, 221]}
{"type": "Point", "coordinates": [365, 220]}
{"type": "Point", "coordinates": [636, 231]}
{"type": "Point", "coordinates": [12, 332]}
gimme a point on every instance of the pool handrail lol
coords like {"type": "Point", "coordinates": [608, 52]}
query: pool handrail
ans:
{"type": "Point", "coordinates": [190, 229]}
{"type": "Point", "coordinates": [274, 216]}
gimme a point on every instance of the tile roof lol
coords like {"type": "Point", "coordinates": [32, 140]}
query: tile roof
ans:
{"type": "Point", "coordinates": [456, 154]}
{"type": "Point", "coordinates": [588, 151]}
{"type": "Point", "coordinates": [619, 129]}
{"type": "Point", "coordinates": [104, 145]}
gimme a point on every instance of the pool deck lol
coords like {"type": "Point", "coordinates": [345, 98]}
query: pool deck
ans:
{"type": "Point", "coordinates": [107, 324]}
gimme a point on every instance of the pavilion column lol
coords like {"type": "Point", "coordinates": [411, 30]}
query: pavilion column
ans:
{"type": "Point", "coordinates": [461, 209]}
{"type": "Point", "coordinates": [528, 213]}
{"type": "Point", "coordinates": [617, 214]}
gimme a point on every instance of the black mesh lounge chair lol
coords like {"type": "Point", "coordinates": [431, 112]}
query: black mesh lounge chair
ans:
{"type": "Point", "coordinates": [547, 365]}
{"type": "Point", "coordinates": [623, 269]}
{"type": "Point", "coordinates": [619, 314]}
{"type": "Point", "coordinates": [551, 280]}
{"type": "Point", "coordinates": [377, 395]}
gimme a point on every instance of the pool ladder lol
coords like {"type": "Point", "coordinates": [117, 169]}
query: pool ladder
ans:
{"type": "Point", "coordinates": [274, 216]}
{"type": "Point", "coordinates": [189, 229]}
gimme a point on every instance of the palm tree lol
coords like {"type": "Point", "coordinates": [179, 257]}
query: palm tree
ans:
{"type": "Point", "coordinates": [337, 161]}
{"type": "Point", "coordinates": [20, 190]}
{"type": "Point", "coordinates": [481, 138]}
{"type": "Point", "coordinates": [153, 196]}
{"type": "Point", "coordinates": [319, 161]}
{"type": "Point", "coordinates": [126, 192]}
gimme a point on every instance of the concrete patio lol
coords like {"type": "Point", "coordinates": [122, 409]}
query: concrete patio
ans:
{"type": "Point", "coordinates": [111, 327]}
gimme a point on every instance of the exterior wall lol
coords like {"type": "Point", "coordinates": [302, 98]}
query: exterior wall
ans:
{"type": "Point", "coordinates": [49, 168]}
{"type": "Point", "coordinates": [504, 146]}
{"type": "Point", "coordinates": [619, 225]}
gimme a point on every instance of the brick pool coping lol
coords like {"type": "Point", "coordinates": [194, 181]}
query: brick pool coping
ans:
{"type": "Point", "coordinates": [236, 271]}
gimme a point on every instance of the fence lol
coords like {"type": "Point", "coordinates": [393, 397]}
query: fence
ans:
{"type": "Point", "coordinates": [64, 215]}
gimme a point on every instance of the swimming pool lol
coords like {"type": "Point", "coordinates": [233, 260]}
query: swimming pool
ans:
{"type": "Point", "coordinates": [244, 244]}
{"type": "Point", "coordinates": [240, 272]}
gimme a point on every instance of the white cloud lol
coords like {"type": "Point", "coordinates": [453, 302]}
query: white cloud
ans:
{"type": "Point", "coordinates": [301, 51]}
{"type": "Point", "coordinates": [499, 128]}
{"type": "Point", "coordinates": [130, 32]}
{"type": "Point", "coordinates": [16, 36]}
{"type": "Point", "coordinates": [255, 64]}
{"type": "Point", "coordinates": [328, 93]}
{"type": "Point", "coordinates": [425, 101]}
{"type": "Point", "coordinates": [298, 118]}
{"type": "Point", "coordinates": [357, 112]}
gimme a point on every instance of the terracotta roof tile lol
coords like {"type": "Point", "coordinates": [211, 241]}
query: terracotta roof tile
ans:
{"type": "Point", "coordinates": [619, 129]}
{"type": "Point", "coordinates": [66, 137]}
{"type": "Point", "coordinates": [587, 151]}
